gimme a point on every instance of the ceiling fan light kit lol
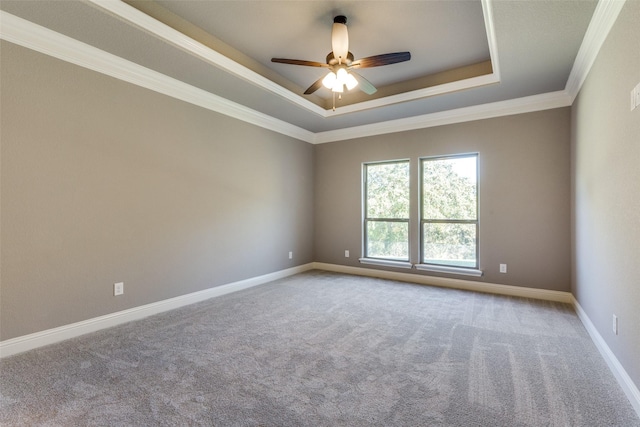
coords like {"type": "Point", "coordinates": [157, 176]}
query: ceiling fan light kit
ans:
{"type": "Point", "coordinates": [338, 80]}
{"type": "Point", "coordinates": [341, 63]}
{"type": "Point", "coordinates": [351, 82]}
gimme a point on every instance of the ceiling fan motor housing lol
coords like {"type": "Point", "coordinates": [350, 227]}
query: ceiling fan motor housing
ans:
{"type": "Point", "coordinates": [331, 60]}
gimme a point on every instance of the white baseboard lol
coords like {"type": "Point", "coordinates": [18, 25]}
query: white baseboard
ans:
{"type": "Point", "coordinates": [626, 383]}
{"type": "Point", "coordinates": [51, 336]}
{"type": "Point", "coordinates": [469, 285]}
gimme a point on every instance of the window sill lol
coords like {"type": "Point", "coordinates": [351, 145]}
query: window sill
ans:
{"type": "Point", "coordinates": [386, 262]}
{"type": "Point", "coordinates": [447, 269]}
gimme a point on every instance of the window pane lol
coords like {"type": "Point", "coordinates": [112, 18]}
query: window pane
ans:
{"type": "Point", "coordinates": [386, 239]}
{"type": "Point", "coordinates": [449, 244]}
{"type": "Point", "coordinates": [449, 188]}
{"type": "Point", "coordinates": [388, 190]}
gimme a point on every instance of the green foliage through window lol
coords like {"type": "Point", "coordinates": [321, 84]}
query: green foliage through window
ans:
{"type": "Point", "coordinates": [387, 210]}
{"type": "Point", "coordinates": [450, 211]}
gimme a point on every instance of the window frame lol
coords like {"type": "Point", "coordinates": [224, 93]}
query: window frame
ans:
{"type": "Point", "coordinates": [451, 268]}
{"type": "Point", "coordinates": [376, 260]}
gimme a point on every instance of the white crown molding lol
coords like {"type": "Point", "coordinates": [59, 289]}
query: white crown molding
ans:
{"type": "Point", "coordinates": [186, 43]}
{"type": "Point", "coordinates": [48, 42]}
{"type": "Point", "coordinates": [487, 12]}
{"type": "Point", "coordinates": [52, 336]}
{"type": "Point", "coordinates": [25, 33]}
{"type": "Point", "coordinates": [602, 21]}
{"type": "Point", "coordinates": [527, 104]}
{"type": "Point", "coordinates": [473, 82]}
{"type": "Point", "coordinates": [32, 36]}
{"type": "Point", "coordinates": [624, 380]}
{"type": "Point", "coordinates": [441, 89]}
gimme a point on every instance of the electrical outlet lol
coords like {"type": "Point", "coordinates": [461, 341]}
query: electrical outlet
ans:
{"type": "Point", "coordinates": [290, 255]}
{"type": "Point", "coordinates": [346, 254]}
{"type": "Point", "coordinates": [503, 268]}
{"type": "Point", "coordinates": [118, 288]}
{"type": "Point", "coordinates": [635, 97]}
{"type": "Point", "coordinates": [615, 324]}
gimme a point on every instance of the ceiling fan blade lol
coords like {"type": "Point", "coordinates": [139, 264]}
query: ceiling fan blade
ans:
{"type": "Point", "coordinates": [299, 62]}
{"type": "Point", "coordinates": [384, 59]}
{"type": "Point", "coordinates": [364, 84]}
{"type": "Point", "coordinates": [314, 87]}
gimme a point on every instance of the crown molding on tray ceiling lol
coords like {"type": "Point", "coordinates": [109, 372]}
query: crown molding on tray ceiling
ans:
{"type": "Point", "coordinates": [27, 34]}
{"type": "Point", "coordinates": [603, 18]}
{"type": "Point", "coordinates": [176, 38]}
{"type": "Point", "coordinates": [186, 43]}
{"type": "Point", "coordinates": [528, 104]}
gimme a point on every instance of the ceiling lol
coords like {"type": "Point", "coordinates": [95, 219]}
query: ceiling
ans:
{"type": "Point", "coordinates": [465, 54]}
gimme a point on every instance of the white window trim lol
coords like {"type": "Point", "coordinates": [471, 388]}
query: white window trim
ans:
{"type": "Point", "coordinates": [449, 269]}
{"type": "Point", "coordinates": [445, 268]}
{"type": "Point", "coordinates": [386, 262]}
{"type": "Point", "coordinates": [364, 219]}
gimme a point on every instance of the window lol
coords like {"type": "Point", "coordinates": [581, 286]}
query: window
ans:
{"type": "Point", "coordinates": [386, 210]}
{"type": "Point", "coordinates": [449, 211]}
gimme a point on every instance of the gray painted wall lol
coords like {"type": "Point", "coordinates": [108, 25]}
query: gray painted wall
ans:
{"type": "Point", "coordinates": [103, 181]}
{"type": "Point", "coordinates": [524, 192]}
{"type": "Point", "coordinates": [606, 195]}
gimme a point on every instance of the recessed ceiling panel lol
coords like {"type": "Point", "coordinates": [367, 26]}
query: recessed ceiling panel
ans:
{"type": "Point", "coordinates": [441, 35]}
{"type": "Point", "coordinates": [533, 43]}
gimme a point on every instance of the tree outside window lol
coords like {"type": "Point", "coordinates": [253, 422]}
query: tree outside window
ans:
{"type": "Point", "coordinates": [449, 211]}
{"type": "Point", "coordinates": [386, 223]}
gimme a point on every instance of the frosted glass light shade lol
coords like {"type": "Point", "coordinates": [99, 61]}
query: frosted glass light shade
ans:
{"type": "Point", "coordinates": [340, 42]}
{"type": "Point", "coordinates": [338, 80]}
{"type": "Point", "coordinates": [329, 80]}
{"type": "Point", "coordinates": [351, 82]}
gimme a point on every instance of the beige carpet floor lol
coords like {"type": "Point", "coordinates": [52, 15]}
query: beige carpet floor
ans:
{"type": "Point", "coordinates": [324, 349]}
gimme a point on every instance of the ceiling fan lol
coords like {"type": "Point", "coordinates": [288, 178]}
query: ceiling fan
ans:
{"type": "Point", "coordinates": [341, 63]}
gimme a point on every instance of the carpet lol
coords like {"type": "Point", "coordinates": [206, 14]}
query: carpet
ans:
{"type": "Point", "coordinates": [325, 349]}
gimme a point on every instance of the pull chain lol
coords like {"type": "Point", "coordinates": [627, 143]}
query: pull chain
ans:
{"type": "Point", "coordinates": [334, 99]}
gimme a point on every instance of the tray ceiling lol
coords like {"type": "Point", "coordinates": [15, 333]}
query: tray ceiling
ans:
{"type": "Point", "coordinates": [464, 53]}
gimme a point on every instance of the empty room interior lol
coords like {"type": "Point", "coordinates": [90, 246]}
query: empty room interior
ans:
{"type": "Point", "coordinates": [320, 213]}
